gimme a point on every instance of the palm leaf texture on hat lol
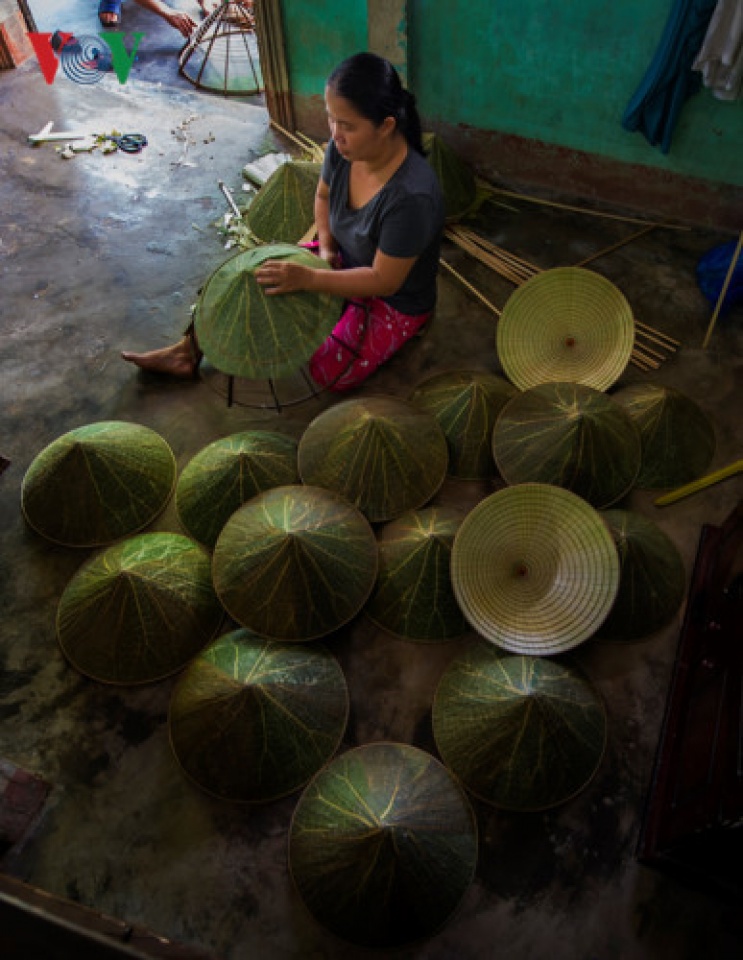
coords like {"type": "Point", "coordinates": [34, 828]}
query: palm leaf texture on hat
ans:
{"type": "Point", "coordinates": [571, 436]}
{"type": "Point", "coordinates": [381, 453]}
{"type": "Point", "coordinates": [295, 563]}
{"type": "Point", "coordinates": [284, 208]}
{"type": "Point", "coordinates": [535, 569]}
{"type": "Point", "coordinates": [466, 404]}
{"type": "Point", "coordinates": [98, 483]}
{"type": "Point", "coordinates": [383, 845]}
{"type": "Point", "coordinates": [227, 473]}
{"type": "Point", "coordinates": [652, 577]}
{"type": "Point", "coordinates": [140, 610]}
{"type": "Point", "coordinates": [413, 596]}
{"type": "Point", "coordinates": [246, 332]}
{"type": "Point", "coordinates": [253, 720]}
{"type": "Point", "coordinates": [521, 732]}
{"type": "Point", "coordinates": [456, 179]}
{"type": "Point", "coordinates": [678, 440]}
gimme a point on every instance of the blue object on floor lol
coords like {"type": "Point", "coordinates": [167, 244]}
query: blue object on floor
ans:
{"type": "Point", "coordinates": [712, 269]}
{"type": "Point", "coordinates": [656, 104]}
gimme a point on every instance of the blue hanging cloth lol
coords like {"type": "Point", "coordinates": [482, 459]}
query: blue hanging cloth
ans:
{"type": "Point", "coordinates": [669, 81]}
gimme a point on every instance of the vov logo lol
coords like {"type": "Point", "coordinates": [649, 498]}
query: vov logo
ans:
{"type": "Point", "coordinates": [86, 58]}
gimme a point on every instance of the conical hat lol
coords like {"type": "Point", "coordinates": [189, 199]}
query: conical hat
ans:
{"type": "Point", "coordinates": [383, 845]}
{"type": "Point", "coordinates": [295, 563]}
{"type": "Point", "coordinates": [381, 453]}
{"type": "Point", "coordinates": [284, 208]}
{"type": "Point", "coordinates": [413, 596]}
{"type": "Point", "coordinates": [678, 440]}
{"type": "Point", "coordinates": [466, 404]}
{"type": "Point", "coordinates": [523, 733]}
{"type": "Point", "coordinates": [571, 436]}
{"type": "Point", "coordinates": [98, 483]}
{"type": "Point", "coordinates": [535, 569]}
{"type": "Point", "coordinates": [567, 324]}
{"type": "Point", "coordinates": [140, 610]}
{"type": "Point", "coordinates": [244, 331]}
{"type": "Point", "coordinates": [253, 720]}
{"type": "Point", "coordinates": [457, 180]}
{"type": "Point", "coordinates": [652, 580]}
{"type": "Point", "coordinates": [226, 473]}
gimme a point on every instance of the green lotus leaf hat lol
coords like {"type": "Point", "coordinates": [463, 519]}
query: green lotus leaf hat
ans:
{"type": "Point", "coordinates": [382, 454]}
{"type": "Point", "coordinates": [523, 733]}
{"type": "Point", "coordinates": [140, 610]}
{"type": "Point", "coordinates": [457, 180]}
{"type": "Point", "coordinates": [227, 473]}
{"type": "Point", "coordinates": [535, 569]}
{"type": "Point", "coordinates": [571, 436]}
{"type": "Point", "coordinates": [465, 404]}
{"type": "Point", "coordinates": [245, 332]}
{"type": "Point", "coordinates": [295, 563]}
{"type": "Point", "coordinates": [413, 596]}
{"type": "Point", "coordinates": [652, 577]}
{"type": "Point", "coordinates": [565, 324]}
{"type": "Point", "coordinates": [283, 210]}
{"type": "Point", "coordinates": [98, 483]}
{"type": "Point", "coordinates": [678, 440]}
{"type": "Point", "coordinates": [383, 845]}
{"type": "Point", "coordinates": [253, 720]}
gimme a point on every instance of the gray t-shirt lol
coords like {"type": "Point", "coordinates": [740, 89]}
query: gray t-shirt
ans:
{"type": "Point", "coordinates": [405, 219]}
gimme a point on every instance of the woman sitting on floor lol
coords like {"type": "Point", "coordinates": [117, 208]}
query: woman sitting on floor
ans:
{"type": "Point", "coordinates": [379, 213]}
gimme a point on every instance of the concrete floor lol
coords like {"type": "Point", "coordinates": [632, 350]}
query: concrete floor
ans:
{"type": "Point", "coordinates": [104, 252]}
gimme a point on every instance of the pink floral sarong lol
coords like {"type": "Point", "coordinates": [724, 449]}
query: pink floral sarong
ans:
{"type": "Point", "coordinates": [368, 333]}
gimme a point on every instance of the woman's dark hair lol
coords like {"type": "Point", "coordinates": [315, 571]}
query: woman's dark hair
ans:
{"type": "Point", "coordinates": [373, 86]}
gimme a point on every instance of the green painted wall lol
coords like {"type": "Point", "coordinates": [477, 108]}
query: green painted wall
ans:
{"type": "Point", "coordinates": [561, 73]}
{"type": "Point", "coordinates": [318, 35]}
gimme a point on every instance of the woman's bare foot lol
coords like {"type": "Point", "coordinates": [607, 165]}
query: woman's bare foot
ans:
{"type": "Point", "coordinates": [179, 359]}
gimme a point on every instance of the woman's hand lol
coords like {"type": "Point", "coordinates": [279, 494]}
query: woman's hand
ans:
{"type": "Point", "coordinates": [283, 276]}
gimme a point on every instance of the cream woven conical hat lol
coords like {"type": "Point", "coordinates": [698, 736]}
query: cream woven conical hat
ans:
{"type": "Point", "coordinates": [566, 324]}
{"type": "Point", "coordinates": [535, 569]}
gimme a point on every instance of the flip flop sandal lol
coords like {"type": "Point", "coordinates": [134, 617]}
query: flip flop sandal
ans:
{"type": "Point", "coordinates": [110, 6]}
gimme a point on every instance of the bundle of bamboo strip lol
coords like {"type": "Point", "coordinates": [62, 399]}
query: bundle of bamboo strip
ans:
{"type": "Point", "coordinates": [651, 347]}
{"type": "Point", "coordinates": [272, 54]}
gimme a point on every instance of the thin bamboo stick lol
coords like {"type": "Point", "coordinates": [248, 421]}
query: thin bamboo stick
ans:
{"type": "Point", "coordinates": [658, 333]}
{"type": "Point", "coordinates": [649, 336]}
{"type": "Point", "coordinates": [639, 357]}
{"type": "Point", "coordinates": [649, 350]}
{"type": "Point", "coordinates": [473, 290]}
{"type": "Point", "coordinates": [616, 246]}
{"type": "Point", "coordinates": [589, 212]}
